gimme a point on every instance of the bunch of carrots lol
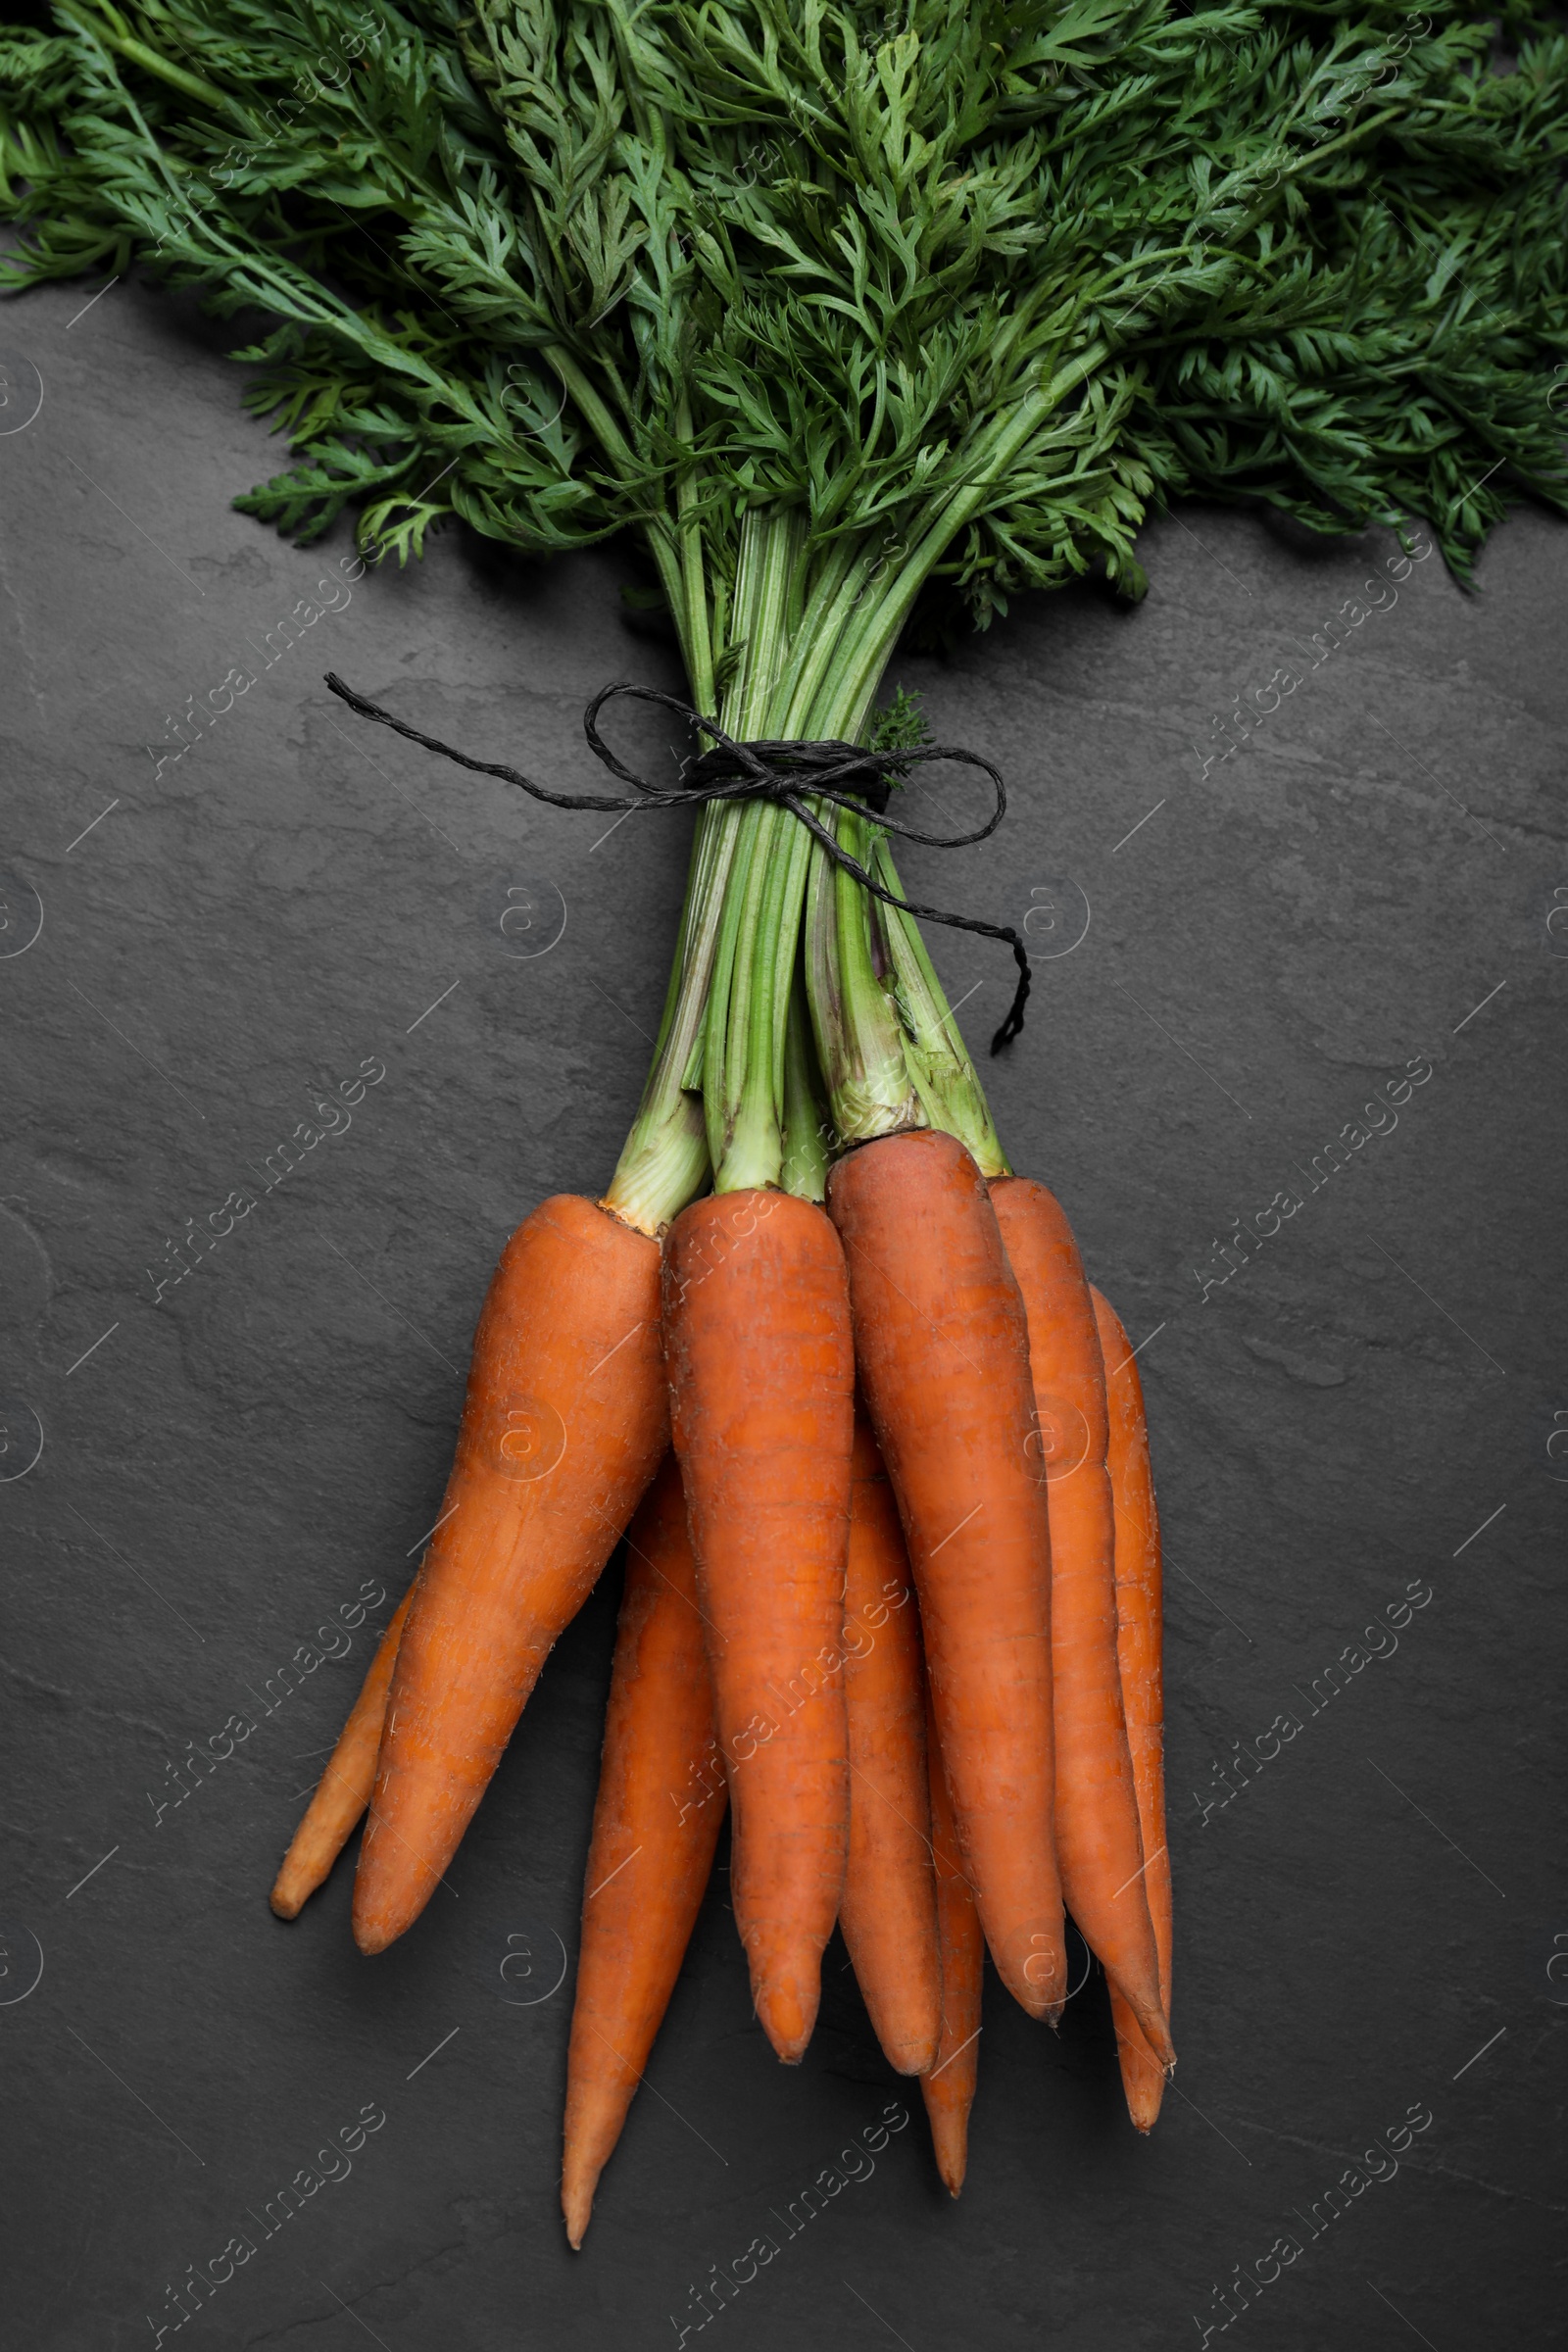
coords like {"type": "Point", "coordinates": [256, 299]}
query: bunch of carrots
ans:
{"type": "Point", "coordinates": [892, 1559]}
{"type": "Point", "coordinates": [856, 316]}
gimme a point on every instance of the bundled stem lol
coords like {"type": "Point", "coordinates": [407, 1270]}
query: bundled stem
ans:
{"type": "Point", "coordinates": [883, 1033]}
{"type": "Point", "coordinates": [836, 309]}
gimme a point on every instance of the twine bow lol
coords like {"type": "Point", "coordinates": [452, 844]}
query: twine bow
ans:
{"type": "Point", "coordinates": [843, 774]}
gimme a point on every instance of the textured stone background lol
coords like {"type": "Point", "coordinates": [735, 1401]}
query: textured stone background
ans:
{"type": "Point", "coordinates": [1369, 1402]}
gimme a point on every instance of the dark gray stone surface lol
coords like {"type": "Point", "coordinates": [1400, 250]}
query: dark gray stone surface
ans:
{"type": "Point", "coordinates": [1366, 1406]}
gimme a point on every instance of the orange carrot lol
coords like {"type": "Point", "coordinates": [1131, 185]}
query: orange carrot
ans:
{"type": "Point", "coordinates": [889, 1913]}
{"type": "Point", "coordinates": [761, 1372]}
{"type": "Point", "coordinates": [565, 1423]}
{"type": "Point", "coordinates": [344, 1789]}
{"type": "Point", "coordinates": [1097, 1834]}
{"type": "Point", "coordinates": [1139, 1646]}
{"type": "Point", "coordinates": [948, 2088]}
{"type": "Point", "coordinates": [942, 1347]}
{"type": "Point", "coordinates": [656, 1823]}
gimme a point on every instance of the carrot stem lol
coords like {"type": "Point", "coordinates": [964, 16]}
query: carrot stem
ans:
{"type": "Point", "coordinates": [664, 1162]}
{"type": "Point", "coordinates": [715, 1099]}
{"type": "Point", "coordinates": [859, 1039]}
{"type": "Point", "coordinates": [807, 1126]}
{"type": "Point", "coordinates": [804, 638]}
{"type": "Point", "coordinates": [944, 1075]}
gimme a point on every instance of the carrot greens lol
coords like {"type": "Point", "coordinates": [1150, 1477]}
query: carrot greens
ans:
{"type": "Point", "coordinates": [854, 311]}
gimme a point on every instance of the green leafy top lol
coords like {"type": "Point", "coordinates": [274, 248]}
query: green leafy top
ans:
{"type": "Point", "coordinates": [840, 303]}
{"type": "Point", "coordinates": [964, 283]}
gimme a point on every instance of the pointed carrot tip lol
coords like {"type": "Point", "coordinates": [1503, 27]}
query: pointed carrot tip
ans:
{"type": "Point", "coordinates": [786, 1989]}
{"type": "Point", "coordinates": [285, 1903]}
{"type": "Point", "coordinates": [1143, 2081]}
{"type": "Point", "coordinates": [1028, 1999]}
{"type": "Point", "coordinates": [911, 2057]}
{"type": "Point", "coordinates": [786, 2022]}
{"type": "Point", "coordinates": [1035, 1979]}
{"type": "Point", "coordinates": [579, 2182]}
{"type": "Point", "coordinates": [950, 2146]}
{"type": "Point", "coordinates": [788, 2050]}
{"type": "Point", "coordinates": [381, 1913]}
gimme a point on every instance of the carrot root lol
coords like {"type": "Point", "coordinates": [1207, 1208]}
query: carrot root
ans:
{"type": "Point", "coordinates": [655, 1825]}
{"type": "Point", "coordinates": [1140, 1661]}
{"type": "Point", "coordinates": [941, 1349]}
{"type": "Point", "coordinates": [1098, 1833]}
{"type": "Point", "coordinates": [565, 1423]}
{"type": "Point", "coordinates": [1143, 2078]}
{"type": "Point", "coordinates": [948, 2088]}
{"type": "Point", "coordinates": [761, 1372]}
{"type": "Point", "coordinates": [889, 1912]}
{"type": "Point", "coordinates": [344, 1789]}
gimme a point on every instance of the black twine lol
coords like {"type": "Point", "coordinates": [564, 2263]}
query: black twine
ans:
{"type": "Point", "coordinates": [843, 773]}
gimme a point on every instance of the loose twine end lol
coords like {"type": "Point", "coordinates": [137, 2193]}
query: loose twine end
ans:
{"type": "Point", "coordinates": [1013, 1023]}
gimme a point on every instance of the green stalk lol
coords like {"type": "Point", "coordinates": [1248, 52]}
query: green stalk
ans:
{"type": "Point", "coordinates": [859, 1043]}
{"type": "Point", "coordinates": [889, 1048]}
{"type": "Point", "coordinates": [879, 1012]}
{"type": "Point", "coordinates": [666, 1158]}
{"type": "Point", "coordinates": [116, 34]}
{"type": "Point", "coordinates": [664, 1162]}
{"type": "Point", "coordinates": [852, 681]}
{"type": "Point", "coordinates": [942, 1074]}
{"type": "Point", "coordinates": [742, 1081]}
{"type": "Point", "coordinates": [807, 1124]}
{"type": "Point", "coordinates": [844, 590]}
{"type": "Point", "coordinates": [692, 617]}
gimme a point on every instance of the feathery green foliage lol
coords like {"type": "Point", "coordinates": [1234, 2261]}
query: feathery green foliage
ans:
{"type": "Point", "coordinates": [840, 303]}
{"type": "Point", "coordinates": [829, 256]}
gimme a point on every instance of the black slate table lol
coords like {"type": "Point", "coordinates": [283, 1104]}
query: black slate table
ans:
{"type": "Point", "coordinates": [220, 1460]}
